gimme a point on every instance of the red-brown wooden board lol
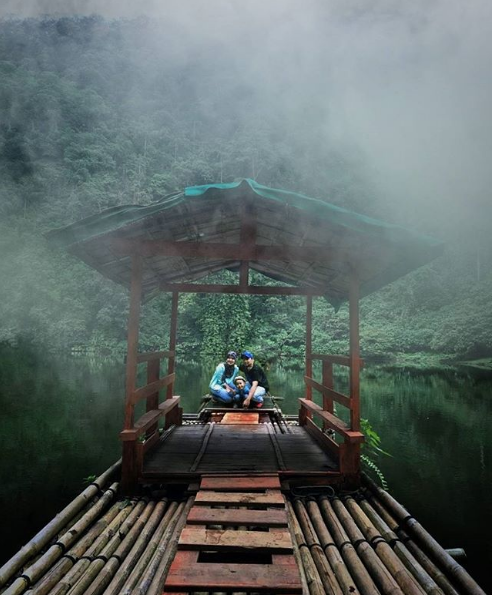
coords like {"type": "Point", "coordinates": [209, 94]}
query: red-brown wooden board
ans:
{"type": "Point", "coordinates": [240, 418]}
{"type": "Point", "coordinates": [239, 484]}
{"type": "Point", "coordinates": [270, 498]}
{"type": "Point", "coordinates": [238, 577]}
{"type": "Point", "coordinates": [201, 515]}
{"type": "Point", "coordinates": [224, 540]}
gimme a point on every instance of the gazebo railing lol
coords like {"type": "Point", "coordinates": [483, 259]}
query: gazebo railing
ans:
{"type": "Point", "coordinates": [347, 452]}
{"type": "Point", "coordinates": [141, 435]}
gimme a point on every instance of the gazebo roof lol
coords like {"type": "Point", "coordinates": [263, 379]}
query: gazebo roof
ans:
{"type": "Point", "coordinates": [304, 242]}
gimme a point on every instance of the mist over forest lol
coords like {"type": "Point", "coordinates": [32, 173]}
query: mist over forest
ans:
{"type": "Point", "coordinates": [378, 107]}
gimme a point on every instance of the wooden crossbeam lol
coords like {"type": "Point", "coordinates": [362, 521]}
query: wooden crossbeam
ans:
{"type": "Point", "coordinates": [202, 515]}
{"type": "Point", "coordinates": [233, 484]}
{"type": "Point", "coordinates": [221, 540]}
{"type": "Point", "coordinates": [334, 422]}
{"type": "Point", "coordinates": [270, 498]}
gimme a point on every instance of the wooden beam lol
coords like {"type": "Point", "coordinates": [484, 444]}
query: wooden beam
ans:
{"type": "Point", "coordinates": [334, 422]}
{"type": "Point", "coordinates": [354, 388]}
{"type": "Point", "coordinates": [308, 346]}
{"type": "Point", "coordinates": [329, 392]}
{"type": "Point", "coordinates": [341, 360]}
{"type": "Point", "coordinates": [150, 389]}
{"type": "Point", "coordinates": [251, 289]}
{"type": "Point", "coordinates": [133, 338]}
{"type": "Point", "coordinates": [246, 251]}
{"type": "Point", "coordinates": [172, 340]}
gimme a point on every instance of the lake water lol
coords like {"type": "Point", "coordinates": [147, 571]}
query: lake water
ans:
{"type": "Point", "coordinates": [61, 418]}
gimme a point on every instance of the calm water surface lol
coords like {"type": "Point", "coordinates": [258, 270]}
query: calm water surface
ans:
{"type": "Point", "coordinates": [61, 419]}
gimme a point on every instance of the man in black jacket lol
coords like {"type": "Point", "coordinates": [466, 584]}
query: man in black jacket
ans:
{"type": "Point", "coordinates": [256, 378]}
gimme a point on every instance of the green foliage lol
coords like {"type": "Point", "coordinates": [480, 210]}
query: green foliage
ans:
{"type": "Point", "coordinates": [76, 138]}
{"type": "Point", "coordinates": [371, 451]}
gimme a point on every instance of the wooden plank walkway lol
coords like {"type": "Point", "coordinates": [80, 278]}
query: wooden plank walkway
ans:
{"type": "Point", "coordinates": [238, 548]}
{"type": "Point", "coordinates": [235, 448]}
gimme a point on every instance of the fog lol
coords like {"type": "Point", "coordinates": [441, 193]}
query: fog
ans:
{"type": "Point", "coordinates": [405, 86]}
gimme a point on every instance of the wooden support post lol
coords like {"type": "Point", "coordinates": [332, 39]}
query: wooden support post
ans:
{"type": "Point", "coordinates": [152, 402]}
{"type": "Point", "coordinates": [308, 348]}
{"type": "Point", "coordinates": [328, 381]}
{"type": "Point", "coordinates": [133, 338]}
{"type": "Point", "coordinates": [172, 341]}
{"type": "Point", "coordinates": [129, 462]}
{"type": "Point", "coordinates": [354, 353]}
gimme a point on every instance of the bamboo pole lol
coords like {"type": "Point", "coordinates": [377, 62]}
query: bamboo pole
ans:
{"type": "Point", "coordinates": [55, 552]}
{"type": "Point", "coordinates": [152, 580]}
{"type": "Point", "coordinates": [43, 537]}
{"type": "Point", "coordinates": [137, 536]}
{"type": "Point", "coordinates": [356, 567]}
{"type": "Point", "coordinates": [337, 584]}
{"type": "Point", "coordinates": [131, 527]}
{"type": "Point", "coordinates": [172, 340]}
{"type": "Point", "coordinates": [439, 555]}
{"type": "Point", "coordinates": [413, 566]}
{"type": "Point", "coordinates": [382, 577]}
{"type": "Point", "coordinates": [343, 573]}
{"type": "Point", "coordinates": [72, 556]}
{"type": "Point", "coordinates": [436, 574]}
{"type": "Point", "coordinates": [313, 579]}
{"type": "Point", "coordinates": [76, 572]}
{"type": "Point", "coordinates": [405, 580]}
{"type": "Point", "coordinates": [126, 579]}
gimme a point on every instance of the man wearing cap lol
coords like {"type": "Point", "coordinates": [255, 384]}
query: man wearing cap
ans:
{"type": "Point", "coordinates": [257, 379]}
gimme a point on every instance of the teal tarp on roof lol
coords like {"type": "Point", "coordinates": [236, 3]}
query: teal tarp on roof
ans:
{"type": "Point", "coordinates": [380, 251]}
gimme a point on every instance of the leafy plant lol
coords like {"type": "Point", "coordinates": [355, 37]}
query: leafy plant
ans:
{"type": "Point", "coordinates": [372, 450]}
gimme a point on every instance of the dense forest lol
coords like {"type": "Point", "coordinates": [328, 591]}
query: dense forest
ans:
{"type": "Point", "coordinates": [96, 113]}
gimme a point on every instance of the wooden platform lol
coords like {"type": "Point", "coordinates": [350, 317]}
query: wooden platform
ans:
{"type": "Point", "coordinates": [193, 450]}
{"type": "Point", "coordinates": [236, 548]}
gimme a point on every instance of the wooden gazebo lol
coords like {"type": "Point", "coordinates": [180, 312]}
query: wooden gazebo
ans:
{"type": "Point", "coordinates": [311, 247]}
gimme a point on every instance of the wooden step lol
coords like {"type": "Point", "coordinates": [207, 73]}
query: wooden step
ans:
{"type": "Point", "coordinates": [240, 484]}
{"type": "Point", "coordinates": [227, 540]}
{"type": "Point", "coordinates": [262, 578]}
{"type": "Point", "coordinates": [202, 515]}
{"type": "Point", "coordinates": [270, 498]}
{"type": "Point", "coordinates": [240, 418]}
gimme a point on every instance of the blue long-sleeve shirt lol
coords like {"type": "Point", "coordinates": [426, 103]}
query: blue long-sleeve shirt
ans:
{"type": "Point", "coordinates": [218, 374]}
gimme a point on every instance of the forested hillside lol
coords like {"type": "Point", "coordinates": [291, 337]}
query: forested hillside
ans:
{"type": "Point", "coordinates": [97, 113]}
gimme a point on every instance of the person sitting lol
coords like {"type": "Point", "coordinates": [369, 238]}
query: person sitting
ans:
{"type": "Point", "coordinates": [256, 378]}
{"type": "Point", "coordinates": [222, 386]}
{"type": "Point", "coordinates": [242, 390]}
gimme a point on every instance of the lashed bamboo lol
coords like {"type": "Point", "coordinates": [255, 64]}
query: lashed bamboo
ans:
{"type": "Point", "coordinates": [55, 552]}
{"type": "Point", "coordinates": [50, 579]}
{"type": "Point", "coordinates": [342, 571]}
{"type": "Point", "coordinates": [414, 567]}
{"type": "Point", "coordinates": [131, 525]}
{"type": "Point", "coordinates": [130, 580]}
{"type": "Point", "coordinates": [431, 568]}
{"type": "Point", "coordinates": [327, 573]}
{"type": "Point", "coordinates": [75, 573]}
{"type": "Point", "coordinates": [323, 515]}
{"type": "Point", "coordinates": [380, 574]}
{"type": "Point", "coordinates": [402, 576]}
{"type": "Point", "coordinates": [313, 579]}
{"type": "Point", "coordinates": [43, 537]}
{"type": "Point", "coordinates": [154, 575]}
{"type": "Point", "coordinates": [134, 542]}
{"type": "Point", "coordinates": [297, 555]}
{"type": "Point", "coordinates": [439, 555]}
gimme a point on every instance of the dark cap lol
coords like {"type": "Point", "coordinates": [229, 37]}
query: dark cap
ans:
{"type": "Point", "coordinates": [247, 355]}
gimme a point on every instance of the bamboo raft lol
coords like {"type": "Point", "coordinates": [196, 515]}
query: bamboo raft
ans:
{"type": "Point", "coordinates": [237, 534]}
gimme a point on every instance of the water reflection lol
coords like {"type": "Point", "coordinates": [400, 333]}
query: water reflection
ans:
{"type": "Point", "coordinates": [61, 419]}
